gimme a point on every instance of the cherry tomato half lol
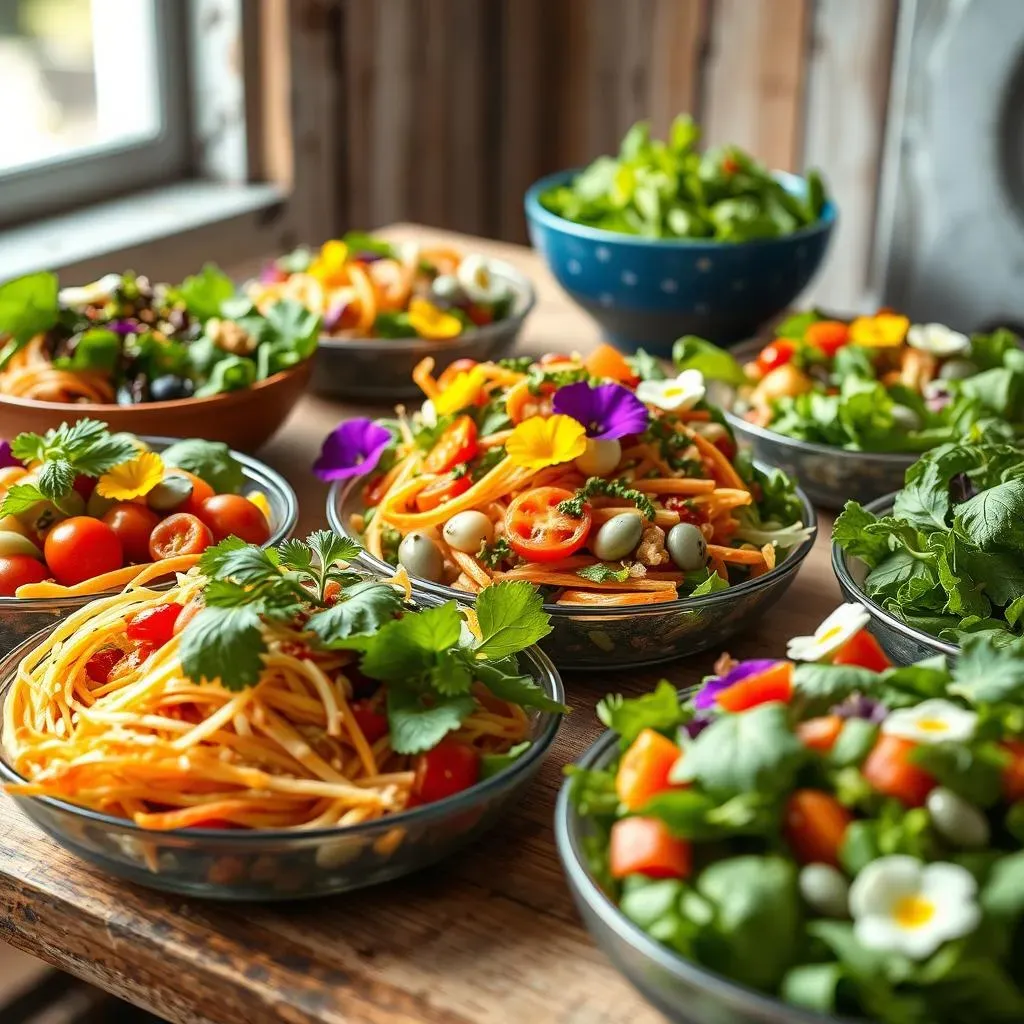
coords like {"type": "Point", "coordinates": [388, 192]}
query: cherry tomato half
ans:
{"type": "Point", "coordinates": [17, 570]}
{"type": "Point", "coordinates": [373, 724]}
{"type": "Point", "coordinates": [444, 771]}
{"type": "Point", "coordinates": [443, 489]}
{"type": "Point", "coordinates": [189, 612]}
{"type": "Point", "coordinates": [457, 444]}
{"type": "Point", "coordinates": [153, 625]}
{"type": "Point", "coordinates": [100, 666]}
{"type": "Point", "coordinates": [133, 660]}
{"type": "Point", "coordinates": [180, 534]}
{"type": "Point", "coordinates": [828, 336]}
{"type": "Point", "coordinates": [538, 532]}
{"type": "Point", "coordinates": [133, 524]}
{"type": "Point", "coordinates": [232, 515]}
{"type": "Point", "coordinates": [777, 354]}
{"type": "Point", "coordinates": [80, 548]}
{"type": "Point", "coordinates": [480, 315]}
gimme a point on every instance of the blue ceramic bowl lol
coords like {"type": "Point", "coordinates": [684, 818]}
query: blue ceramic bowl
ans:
{"type": "Point", "coordinates": [646, 292]}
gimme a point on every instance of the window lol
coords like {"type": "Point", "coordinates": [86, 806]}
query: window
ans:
{"type": "Point", "coordinates": [93, 94]}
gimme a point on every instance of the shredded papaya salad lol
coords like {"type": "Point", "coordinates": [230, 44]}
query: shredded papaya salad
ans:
{"type": "Point", "coordinates": [598, 479]}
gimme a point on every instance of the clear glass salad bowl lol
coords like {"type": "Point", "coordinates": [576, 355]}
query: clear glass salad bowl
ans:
{"type": "Point", "coordinates": [22, 617]}
{"type": "Point", "coordinates": [902, 643]}
{"type": "Point", "coordinates": [596, 638]}
{"type": "Point", "coordinates": [683, 990]}
{"type": "Point", "coordinates": [286, 865]}
{"type": "Point", "coordinates": [831, 476]}
{"type": "Point", "coordinates": [380, 369]}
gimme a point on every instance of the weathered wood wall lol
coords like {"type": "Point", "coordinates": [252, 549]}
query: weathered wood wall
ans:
{"type": "Point", "coordinates": [449, 109]}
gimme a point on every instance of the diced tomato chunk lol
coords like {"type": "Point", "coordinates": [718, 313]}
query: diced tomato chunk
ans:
{"type": "Point", "coordinates": [373, 724]}
{"type": "Point", "coordinates": [820, 733]}
{"type": "Point", "coordinates": [99, 667]}
{"type": "Point", "coordinates": [644, 768]}
{"type": "Point", "coordinates": [644, 846]}
{"type": "Point", "coordinates": [774, 684]}
{"type": "Point", "coordinates": [864, 650]}
{"type": "Point", "coordinates": [814, 825]}
{"type": "Point", "coordinates": [154, 625]}
{"type": "Point", "coordinates": [889, 770]}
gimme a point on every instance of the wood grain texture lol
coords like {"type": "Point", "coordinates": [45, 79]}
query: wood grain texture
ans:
{"type": "Point", "coordinates": [488, 937]}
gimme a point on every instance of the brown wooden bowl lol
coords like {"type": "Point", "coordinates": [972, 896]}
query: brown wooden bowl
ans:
{"type": "Point", "coordinates": [243, 420]}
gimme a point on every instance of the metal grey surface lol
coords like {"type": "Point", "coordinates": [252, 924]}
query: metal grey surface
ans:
{"type": "Point", "coordinates": [950, 244]}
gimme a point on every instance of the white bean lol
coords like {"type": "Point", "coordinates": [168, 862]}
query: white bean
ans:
{"type": "Point", "coordinates": [825, 890]}
{"type": "Point", "coordinates": [467, 531]}
{"type": "Point", "coordinates": [957, 820]}
{"type": "Point", "coordinates": [600, 458]}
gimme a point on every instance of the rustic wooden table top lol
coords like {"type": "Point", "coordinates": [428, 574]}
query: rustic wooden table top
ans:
{"type": "Point", "coordinates": [490, 935]}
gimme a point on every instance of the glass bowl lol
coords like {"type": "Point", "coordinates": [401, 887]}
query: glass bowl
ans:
{"type": "Point", "coordinates": [286, 865]}
{"type": "Point", "coordinates": [683, 990]}
{"type": "Point", "coordinates": [595, 638]}
{"type": "Point", "coordinates": [380, 369]}
{"type": "Point", "coordinates": [22, 617]}
{"type": "Point", "coordinates": [830, 475]}
{"type": "Point", "coordinates": [901, 642]}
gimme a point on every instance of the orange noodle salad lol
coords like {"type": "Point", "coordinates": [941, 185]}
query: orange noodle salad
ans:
{"type": "Point", "coordinates": [366, 287]}
{"type": "Point", "coordinates": [263, 692]}
{"type": "Point", "coordinates": [599, 479]}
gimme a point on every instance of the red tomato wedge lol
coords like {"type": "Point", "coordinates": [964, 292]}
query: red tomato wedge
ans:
{"type": "Point", "coordinates": [828, 336]}
{"type": "Point", "coordinates": [457, 444]}
{"type": "Point", "coordinates": [538, 532]}
{"type": "Point", "coordinates": [373, 724]}
{"type": "Point", "coordinates": [777, 354]}
{"type": "Point", "coordinates": [443, 489]}
{"type": "Point", "coordinates": [99, 667]}
{"type": "Point", "coordinates": [644, 846]}
{"type": "Point", "coordinates": [864, 650]}
{"type": "Point", "coordinates": [889, 770]}
{"type": "Point", "coordinates": [644, 768]}
{"type": "Point", "coordinates": [154, 625]}
{"type": "Point", "coordinates": [775, 683]}
{"type": "Point", "coordinates": [444, 771]}
{"type": "Point", "coordinates": [814, 824]}
{"type": "Point", "coordinates": [820, 733]}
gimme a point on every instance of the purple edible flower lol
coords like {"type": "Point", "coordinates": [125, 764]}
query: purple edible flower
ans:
{"type": "Point", "coordinates": [332, 318]}
{"type": "Point", "coordinates": [707, 695]}
{"type": "Point", "coordinates": [123, 327]}
{"type": "Point", "coordinates": [694, 727]}
{"type": "Point", "coordinates": [859, 706]}
{"type": "Point", "coordinates": [351, 449]}
{"type": "Point", "coordinates": [6, 458]}
{"type": "Point", "coordinates": [607, 411]}
{"type": "Point", "coordinates": [272, 274]}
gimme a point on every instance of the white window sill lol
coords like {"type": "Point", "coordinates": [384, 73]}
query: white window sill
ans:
{"type": "Point", "coordinates": [125, 225]}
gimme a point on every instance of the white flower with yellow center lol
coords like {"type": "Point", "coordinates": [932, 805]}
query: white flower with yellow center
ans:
{"type": "Point", "coordinates": [845, 622]}
{"type": "Point", "coordinates": [938, 339]}
{"type": "Point", "coordinates": [676, 394]}
{"type": "Point", "coordinates": [478, 281]}
{"type": "Point", "coordinates": [933, 721]}
{"type": "Point", "coordinates": [902, 905]}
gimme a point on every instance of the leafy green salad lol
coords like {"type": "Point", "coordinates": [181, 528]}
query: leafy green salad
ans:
{"type": "Point", "coordinates": [949, 558]}
{"type": "Point", "coordinates": [671, 190]}
{"type": "Point", "coordinates": [841, 834]}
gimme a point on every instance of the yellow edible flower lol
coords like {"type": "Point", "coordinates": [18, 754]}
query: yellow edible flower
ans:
{"type": "Point", "coordinates": [884, 330]}
{"type": "Point", "coordinates": [132, 479]}
{"type": "Point", "coordinates": [329, 266]}
{"type": "Point", "coordinates": [546, 441]}
{"type": "Point", "coordinates": [462, 392]}
{"type": "Point", "coordinates": [430, 322]}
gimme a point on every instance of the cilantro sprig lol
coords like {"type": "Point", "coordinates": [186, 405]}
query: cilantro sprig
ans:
{"type": "Point", "coordinates": [599, 487]}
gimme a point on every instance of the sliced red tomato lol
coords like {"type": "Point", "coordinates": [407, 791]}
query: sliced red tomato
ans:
{"type": "Point", "coordinates": [863, 650]}
{"type": "Point", "coordinates": [444, 771]}
{"type": "Point", "coordinates": [889, 770]}
{"type": "Point", "coordinates": [828, 336]}
{"type": "Point", "coordinates": [644, 846]}
{"type": "Point", "coordinates": [609, 362]}
{"type": "Point", "coordinates": [180, 534]}
{"type": "Point", "coordinates": [457, 444]}
{"type": "Point", "coordinates": [133, 660]}
{"type": "Point", "coordinates": [538, 532]}
{"type": "Point", "coordinates": [1013, 773]}
{"type": "Point", "coordinates": [100, 666]}
{"type": "Point", "coordinates": [188, 613]}
{"type": "Point", "coordinates": [153, 625]}
{"type": "Point", "coordinates": [133, 524]}
{"type": "Point", "coordinates": [644, 768]}
{"type": "Point", "coordinates": [80, 548]}
{"type": "Point", "coordinates": [480, 315]}
{"type": "Point", "coordinates": [777, 354]}
{"type": "Point", "coordinates": [814, 824]}
{"type": "Point", "coordinates": [443, 489]}
{"type": "Point", "coordinates": [820, 733]}
{"type": "Point", "coordinates": [373, 724]}
{"type": "Point", "coordinates": [17, 570]}
{"type": "Point", "coordinates": [775, 683]}
{"type": "Point", "coordinates": [232, 515]}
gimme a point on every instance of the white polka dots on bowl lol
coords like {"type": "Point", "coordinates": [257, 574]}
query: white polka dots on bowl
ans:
{"type": "Point", "coordinates": [704, 264]}
{"type": "Point", "coordinates": [629, 278]}
{"type": "Point", "coordinates": [574, 267]}
{"type": "Point", "coordinates": [603, 254]}
{"type": "Point", "coordinates": [606, 299]}
{"type": "Point", "coordinates": [669, 286]}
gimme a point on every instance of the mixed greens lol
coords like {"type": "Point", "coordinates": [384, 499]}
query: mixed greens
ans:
{"type": "Point", "coordinates": [838, 833]}
{"type": "Point", "coordinates": [876, 383]}
{"type": "Point", "coordinates": [949, 558]}
{"type": "Point", "coordinates": [670, 190]}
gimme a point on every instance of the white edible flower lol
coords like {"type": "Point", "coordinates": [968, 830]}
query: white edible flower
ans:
{"type": "Point", "coordinates": [477, 279]}
{"type": "Point", "coordinates": [902, 905]}
{"type": "Point", "coordinates": [90, 294]}
{"type": "Point", "coordinates": [428, 414]}
{"type": "Point", "coordinates": [408, 253]}
{"type": "Point", "coordinates": [938, 339]}
{"type": "Point", "coordinates": [933, 721]}
{"type": "Point", "coordinates": [845, 622]}
{"type": "Point", "coordinates": [676, 394]}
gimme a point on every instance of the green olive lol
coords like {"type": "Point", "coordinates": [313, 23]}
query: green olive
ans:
{"type": "Point", "coordinates": [825, 890]}
{"type": "Point", "coordinates": [687, 547]}
{"type": "Point", "coordinates": [12, 543]}
{"type": "Point", "coordinates": [421, 557]}
{"type": "Point", "coordinates": [174, 490]}
{"type": "Point", "coordinates": [600, 458]}
{"type": "Point", "coordinates": [468, 531]}
{"type": "Point", "coordinates": [43, 514]}
{"type": "Point", "coordinates": [957, 369]}
{"type": "Point", "coordinates": [618, 537]}
{"type": "Point", "coordinates": [905, 418]}
{"type": "Point", "coordinates": [957, 820]}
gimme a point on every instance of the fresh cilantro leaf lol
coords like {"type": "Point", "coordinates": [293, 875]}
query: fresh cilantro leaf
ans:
{"type": "Point", "coordinates": [244, 563]}
{"type": "Point", "coordinates": [56, 478]}
{"type": "Point", "coordinates": [597, 486]}
{"type": "Point", "coordinates": [511, 617]}
{"type": "Point", "coordinates": [516, 689]}
{"type": "Point", "coordinates": [453, 673]}
{"type": "Point", "coordinates": [712, 585]}
{"type": "Point", "coordinates": [601, 573]}
{"type": "Point", "coordinates": [492, 764]}
{"type": "Point", "coordinates": [296, 555]}
{"type": "Point", "coordinates": [360, 611]}
{"type": "Point", "coordinates": [492, 555]}
{"type": "Point", "coordinates": [408, 647]}
{"type": "Point", "coordinates": [629, 716]}
{"type": "Point", "coordinates": [646, 366]}
{"type": "Point", "coordinates": [331, 549]}
{"type": "Point", "coordinates": [211, 461]}
{"type": "Point", "coordinates": [224, 644]}
{"type": "Point", "coordinates": [984, 674]}
{"type": "Point", "coordinates": [87, 446]}
{"type": "Point", "coordinates": [20, 498]}
{"type": "Point", "coordinates": [418, 723]}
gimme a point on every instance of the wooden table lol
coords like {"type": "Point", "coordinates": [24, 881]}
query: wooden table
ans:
{"type": "Point", "coordinates": [488, 936]}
